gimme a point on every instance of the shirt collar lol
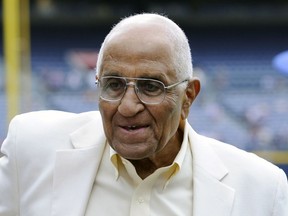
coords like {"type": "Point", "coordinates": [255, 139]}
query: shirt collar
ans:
{"type": "Point", "coordinates": [116, 161]}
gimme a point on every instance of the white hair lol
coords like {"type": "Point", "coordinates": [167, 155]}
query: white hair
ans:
{"type": "Point", "coordinates": [182, 54]}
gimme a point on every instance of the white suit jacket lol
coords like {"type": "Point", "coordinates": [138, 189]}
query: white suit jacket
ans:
{"type": "Point", "coordinates": [51, 158]}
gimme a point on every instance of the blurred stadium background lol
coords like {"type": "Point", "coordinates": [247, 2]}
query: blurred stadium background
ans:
{"type": "Point", "coordinates": [236, 49]}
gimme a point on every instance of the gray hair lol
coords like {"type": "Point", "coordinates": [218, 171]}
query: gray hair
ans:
{"type": "Point", "coordinates": [182, 54]}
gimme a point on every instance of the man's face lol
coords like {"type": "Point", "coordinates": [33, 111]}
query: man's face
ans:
{"type": "Point", "coordinates": [136, 130]}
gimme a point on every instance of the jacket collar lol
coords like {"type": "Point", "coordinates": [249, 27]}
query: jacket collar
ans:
{"type": "Point", "coordinates": [75, 170]}
{"type": "Point", "coordinates": [211, 196]}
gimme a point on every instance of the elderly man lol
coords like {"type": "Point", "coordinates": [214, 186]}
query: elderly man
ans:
{"type": "Point", "coordinates": [139, 155]}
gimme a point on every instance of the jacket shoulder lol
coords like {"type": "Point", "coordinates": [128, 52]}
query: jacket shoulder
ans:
{"type": "Point", "coordinates": [53, 119]}
{"type": "Point", "coordinates": [245, 165]}
{"type": "Point", "coordinates": [52, 128]}
{"type": "Point", "coordinates": [54, 116]}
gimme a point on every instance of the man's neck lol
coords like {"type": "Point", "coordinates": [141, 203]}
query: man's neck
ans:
{"type": "Point", "coordinates": [165, 157]}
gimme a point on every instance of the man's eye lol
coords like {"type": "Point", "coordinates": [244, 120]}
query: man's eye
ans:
{"type": "Point", "coordinates": [150, 88]}
{"type": "Point", "coordinates": [114, 84]}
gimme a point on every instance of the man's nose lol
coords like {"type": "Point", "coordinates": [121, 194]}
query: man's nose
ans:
{"type": "Point", "coordinates": [130, 104]}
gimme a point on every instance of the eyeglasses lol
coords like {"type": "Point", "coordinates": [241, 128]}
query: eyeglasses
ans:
{"type": "Point", "coordinates": [149, 91]}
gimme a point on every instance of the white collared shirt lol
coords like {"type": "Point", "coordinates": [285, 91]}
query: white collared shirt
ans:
{"type": "Point", "coordinates": [118, 190]}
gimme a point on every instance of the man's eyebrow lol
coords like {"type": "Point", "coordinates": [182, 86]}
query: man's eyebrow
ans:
{"type": "Point", "coordinates": [158, 76]}
{"type": "Point", "coordinates": [111, 73]}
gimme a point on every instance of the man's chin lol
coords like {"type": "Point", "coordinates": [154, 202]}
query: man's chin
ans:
{"type": "Point", "coordinates": [133, 151]}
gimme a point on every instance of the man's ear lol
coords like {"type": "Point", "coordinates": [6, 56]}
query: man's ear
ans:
{"type": "Point", "coordinates": [192, 90]}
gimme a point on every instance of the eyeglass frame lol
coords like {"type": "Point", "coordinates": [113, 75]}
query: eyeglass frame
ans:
{"type": "Point", "coordinates": [136, 89]}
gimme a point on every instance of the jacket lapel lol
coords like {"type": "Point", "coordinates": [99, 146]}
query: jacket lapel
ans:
{"type": "Point", "coordinates": [211, 195]}
{"type": "Point", "coordinates": [75, 170]}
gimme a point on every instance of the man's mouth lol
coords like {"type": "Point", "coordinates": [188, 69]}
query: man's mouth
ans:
{"type": "Point", "coordinates": [133, 127]}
